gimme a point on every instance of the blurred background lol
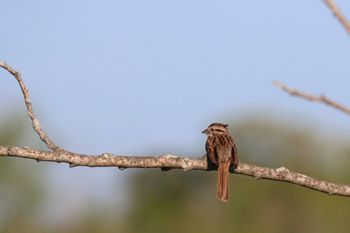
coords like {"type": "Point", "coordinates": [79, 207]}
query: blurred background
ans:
{"type": "Point", "coordinates": [145, 78]}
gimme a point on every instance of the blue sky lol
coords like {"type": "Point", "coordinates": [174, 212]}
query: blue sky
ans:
{"type": "Point", "coordinates": [142, 77]}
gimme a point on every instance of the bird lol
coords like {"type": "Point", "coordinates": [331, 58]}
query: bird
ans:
{"type": "Point", "coordinates": [222, 152]}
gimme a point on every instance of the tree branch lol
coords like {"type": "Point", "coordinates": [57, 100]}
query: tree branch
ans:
{"type": "Point", "coordinates": [312, 98]}
{"type": "Point", "coordinates": [337, 13]}
{"type": "Point", "coordinates": [165, 162]}
{"type": "Point", "coordinates": [28, 103]}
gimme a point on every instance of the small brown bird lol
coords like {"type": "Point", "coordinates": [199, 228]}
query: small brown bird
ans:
{"type": "Point", "coordinates": [221, 151]}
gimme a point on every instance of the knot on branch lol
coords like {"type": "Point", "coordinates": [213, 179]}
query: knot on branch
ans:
{"type": "Point", "coordinates": [10, 150]}
{"type": "Point", "coordinates": [282, 171]}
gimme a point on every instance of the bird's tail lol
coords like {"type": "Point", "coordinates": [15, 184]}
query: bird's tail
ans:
{"type": "Point", "coordinates": [222, 185]}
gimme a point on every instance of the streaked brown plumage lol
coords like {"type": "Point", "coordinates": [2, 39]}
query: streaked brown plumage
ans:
{"type": "Point", "coordinates": [221, 151]}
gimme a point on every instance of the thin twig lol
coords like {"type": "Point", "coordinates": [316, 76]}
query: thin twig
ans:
{"type": "Point", "coordinates": [168, 162]}
{"type": "Point", "coordinates": [321, 98]}
{"type": "Point", "coordinates": [28, 103]}
{"type": "Point", "coordinates": [165, 162]}
{"type": "Point", "coordinates": [337, 13]}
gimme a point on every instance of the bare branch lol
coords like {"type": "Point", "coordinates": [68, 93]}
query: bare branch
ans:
{"type": "Point", "coordinates": [167, 162]}
{"type": "Point", "coordinates": [28, 103]}
{"type": "Point", "coordinates": [337, 13]}
{"type": "Point", "coordinates": [312, 98]}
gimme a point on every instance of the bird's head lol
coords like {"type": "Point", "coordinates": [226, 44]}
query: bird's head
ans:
{"type": "Point", "coordinates": [216, 129]}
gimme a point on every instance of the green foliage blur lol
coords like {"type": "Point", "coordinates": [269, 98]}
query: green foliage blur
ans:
{"type": "Point", "coordinates": [178, 201]}
{"type": "Point", "coordinates": [21, 187]}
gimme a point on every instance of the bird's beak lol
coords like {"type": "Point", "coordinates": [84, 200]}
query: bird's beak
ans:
{"type": "Point", "coordinates": [205, 131]}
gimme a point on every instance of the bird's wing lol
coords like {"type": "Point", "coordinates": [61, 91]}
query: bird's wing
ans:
{"type": "Point", "coordinates": [210, 147]}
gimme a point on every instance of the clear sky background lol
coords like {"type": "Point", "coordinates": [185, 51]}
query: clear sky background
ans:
{"type": "Point", "coordinates": [146, 77]}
